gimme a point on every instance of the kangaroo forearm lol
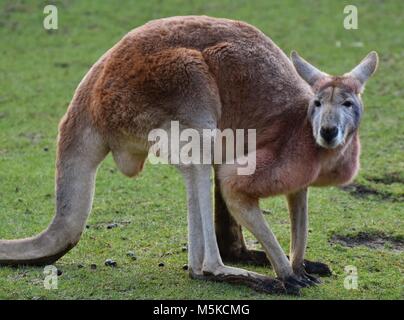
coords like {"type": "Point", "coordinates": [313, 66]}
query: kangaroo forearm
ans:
{"type": "Point", "coordinates": [297, 203]}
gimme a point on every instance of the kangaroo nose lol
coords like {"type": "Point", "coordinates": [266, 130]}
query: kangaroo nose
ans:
{"type": "Point", "coordinates": [328, 133]}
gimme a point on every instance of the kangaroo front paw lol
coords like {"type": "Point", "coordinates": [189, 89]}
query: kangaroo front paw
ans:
{"type": "Point", "coordinates": [295, 282]}
{"type": "Point", "coordinates": [305, 277]}
{"type": "Point", "coordinates": [310, 279]}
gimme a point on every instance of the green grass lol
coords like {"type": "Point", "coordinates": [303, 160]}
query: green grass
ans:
{"type": "Point", "coordinates": [39, 71]}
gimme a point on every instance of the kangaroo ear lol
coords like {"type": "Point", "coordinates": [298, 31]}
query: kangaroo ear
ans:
{"type": "Point", "coordinates": [365, 68]}
{"type": "Point", "coordinates": [308, 72]}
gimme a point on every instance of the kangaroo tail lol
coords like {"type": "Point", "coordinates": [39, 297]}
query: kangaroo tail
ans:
{"type": "Point", "coordinates": [80, 151]}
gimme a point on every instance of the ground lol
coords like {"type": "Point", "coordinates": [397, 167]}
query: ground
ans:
{"type": "Point", "coordinates": [39, 71]}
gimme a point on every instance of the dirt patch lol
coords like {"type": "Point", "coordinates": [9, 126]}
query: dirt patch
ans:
{"type": "Point", "coordinates": [370, 240]}
{"type": "Point", "coordinates": [361, 191]}
{"type": "Point", "coordinates": [388, 178]}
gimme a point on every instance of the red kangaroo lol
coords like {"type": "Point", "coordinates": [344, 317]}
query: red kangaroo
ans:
{"type": "Point", "coordinates": [209, 73]}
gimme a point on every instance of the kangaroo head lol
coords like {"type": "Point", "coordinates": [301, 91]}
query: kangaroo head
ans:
{"type": "Point", "coordinates": [336, 108]}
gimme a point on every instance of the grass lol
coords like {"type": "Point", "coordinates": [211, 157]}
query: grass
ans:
{"type": "Point", "coordinates": [39, 71]}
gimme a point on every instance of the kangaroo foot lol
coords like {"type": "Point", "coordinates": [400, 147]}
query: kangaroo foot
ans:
{"type": "Point", "coordinates": [259, 283]}
{"type": "Point", "coordinates": [259, 258]}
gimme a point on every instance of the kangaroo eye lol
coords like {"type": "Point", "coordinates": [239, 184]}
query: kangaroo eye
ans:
{"type": "Point", "coordinates": [347, 104]}
{"type": "Point", "coordinates": [317, 103]}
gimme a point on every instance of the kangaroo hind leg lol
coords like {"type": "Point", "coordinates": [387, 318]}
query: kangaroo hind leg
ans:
{"type": "Point", "coordinates": [204, 256]}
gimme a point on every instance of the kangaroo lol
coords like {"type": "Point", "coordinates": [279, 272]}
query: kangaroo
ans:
{"type": "Point", "coordinates": [208, 73]}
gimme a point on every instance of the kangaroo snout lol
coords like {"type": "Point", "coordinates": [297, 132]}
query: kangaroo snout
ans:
{"type": "Point", "coordinates": [329, 133]}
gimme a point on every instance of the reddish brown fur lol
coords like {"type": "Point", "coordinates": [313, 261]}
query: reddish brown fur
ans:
{"type": "Point", "coordinates": [346, 83]}
{"type": "Point", "coordinates": [205, 73]}
{"type": "Point", "coordinates": [239, 76]}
